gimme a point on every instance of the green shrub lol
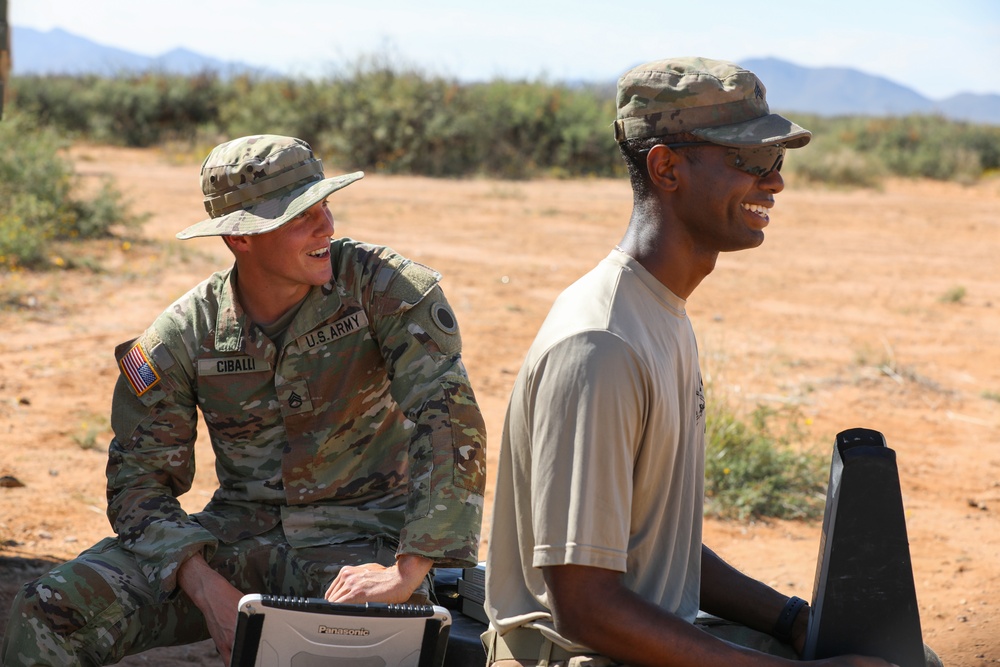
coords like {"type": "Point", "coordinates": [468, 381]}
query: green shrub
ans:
{"type": "Point", "coordinates": [532, 128]}
{"type": "Point", "coordinates": [37, 204]}
{"type": "Point", "coordinates": [954, 295]}
{"type": "Point", "coordinates": [60, 102]}
{"type": "Point", "coordinates": [384, 115]}
{"type": "Point", "coordinates": [274, 106]}
{"type": "Point", "coordinates": [752, 471]}
{"type": "Point", "coordinates": [132, 110]}
{"type": "Point", "coordinates": [22, 241]}
{"type": "Point", "coordinates": [838, 165]}
{"type": "Point", "coordinates": [925, 146]}
{"type": "Point", "coordinates": [396, 120]}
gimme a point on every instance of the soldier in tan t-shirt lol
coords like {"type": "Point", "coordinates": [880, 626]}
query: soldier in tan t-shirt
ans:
{"type": "Point", "coordinates": [595, 553]}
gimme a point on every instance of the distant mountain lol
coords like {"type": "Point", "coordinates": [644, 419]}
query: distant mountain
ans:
{"type": "Point", "coordinates": [971, 107]}
{"type": "Point", "coordinates": [61, 52]}
{"type": "Point", "coordinates": [837, 91]}
{"type": "Point", "coordinates": [825, 91]}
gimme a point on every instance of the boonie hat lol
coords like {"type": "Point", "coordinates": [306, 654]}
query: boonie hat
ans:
{"type": "Point", "coordinates": [715, 100]}
{"type": "Point", "coordinates": [253, 185]}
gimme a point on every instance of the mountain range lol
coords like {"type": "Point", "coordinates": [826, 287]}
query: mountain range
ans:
{"type": "Point", "coordinates": [59, 52]}
{"type": "Point", "coordinates": [840, 91]}
{"type": "Point", "coordinates": [825, 91]}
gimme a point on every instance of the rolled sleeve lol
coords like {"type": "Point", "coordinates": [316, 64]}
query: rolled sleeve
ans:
{"type": "Point", "coordinates": [150, 464]}
{"type": "Point", "coordinates": [447, 449]}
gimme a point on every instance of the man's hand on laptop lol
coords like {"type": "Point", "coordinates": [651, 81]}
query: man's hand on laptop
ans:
{"type": "Point", "coordinates": [372, 582]}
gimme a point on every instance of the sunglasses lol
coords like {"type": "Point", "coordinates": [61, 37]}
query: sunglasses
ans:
{"type": "Point", "coordinates": [755, 160]}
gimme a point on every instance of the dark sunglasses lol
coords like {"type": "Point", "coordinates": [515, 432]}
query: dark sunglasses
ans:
{"type": "Point", "coordinates": [755, 160]}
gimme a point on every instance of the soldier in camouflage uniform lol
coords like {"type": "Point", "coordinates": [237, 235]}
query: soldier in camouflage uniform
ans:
{"type": "Point", "coordinates": [349, 448]}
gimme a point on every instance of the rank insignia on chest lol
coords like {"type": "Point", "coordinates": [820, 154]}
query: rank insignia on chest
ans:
{"type": "Point", "coordinates": [140, 372]}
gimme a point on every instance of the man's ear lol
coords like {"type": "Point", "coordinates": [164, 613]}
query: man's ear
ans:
{"type": "Point", "coordinates": [662, 164]}
{"type": "Point", "coordinates": [236, 244]}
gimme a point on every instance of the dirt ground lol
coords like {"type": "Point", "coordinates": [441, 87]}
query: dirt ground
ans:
{"type": "Point", "coordinates": [864, 308]}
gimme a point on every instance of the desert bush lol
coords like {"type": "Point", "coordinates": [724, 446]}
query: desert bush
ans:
{"type": "Point", "coordinates": [954, 294]}
{"type": "Point", "coordinates": [394, 119]}
{"type": "Point", "coordinates": [59, 102]}
{"type": "Point", "coordinates": [924, 146]}
{"type": "Point", "coordinates": [836, 165]}
{"type": "Point", "coordinates": [37, 201]}
{"type": "Point", "coordinates": [752, 469]}
{"type": "Point", "coordinates": [382, 114]}
{"type": "Point", "coordinates": [252, 105]}
{"type": "Point", "coordinates": [134, 110]}
{"type": "Point", "coordinates": [534, 127]}
{"type": "Point", "coordinates": [148, 109]}
{"type": "Point", "coordinates": [377, 114]}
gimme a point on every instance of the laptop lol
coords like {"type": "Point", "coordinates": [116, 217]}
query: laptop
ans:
{"type": "Point", "coordinates": [278, 631]}
{"type": "Point", "coordinates": [864, 598]}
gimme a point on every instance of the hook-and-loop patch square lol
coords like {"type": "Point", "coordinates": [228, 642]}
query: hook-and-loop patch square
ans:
{"type": "Point", "coordinates": [140, 373]}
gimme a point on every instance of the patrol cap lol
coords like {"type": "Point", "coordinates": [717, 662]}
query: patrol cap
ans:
{"type": "Point", "coordinates": [715, 100]}
{"type": "Point", "coordinates": [253, 185]}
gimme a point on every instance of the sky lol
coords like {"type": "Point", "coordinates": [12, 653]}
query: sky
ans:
{"type": "Point", "coordinates": [937, 49]}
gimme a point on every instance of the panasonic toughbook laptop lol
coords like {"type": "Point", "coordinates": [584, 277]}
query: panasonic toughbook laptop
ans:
{"type": "Point", "coordinates": [864, 599]}
{"type": "Point", "coordinates": [274, 631]}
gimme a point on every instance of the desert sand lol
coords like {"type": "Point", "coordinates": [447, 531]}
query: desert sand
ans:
{"type": "Point", "coordinates": [863, 308]}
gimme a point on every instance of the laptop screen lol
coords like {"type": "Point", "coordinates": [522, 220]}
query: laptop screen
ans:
{"type": "Point", "coordinates": [275, 631]}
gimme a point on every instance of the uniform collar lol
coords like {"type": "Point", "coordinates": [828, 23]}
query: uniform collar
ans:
{"type": "Point", "coordinates": [233, 323]}
{"type": "Point", "coordinates": [320, 303]}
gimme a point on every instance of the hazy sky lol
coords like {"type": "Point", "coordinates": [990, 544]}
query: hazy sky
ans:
{"type": "Point", "coordinates": [936, 51]}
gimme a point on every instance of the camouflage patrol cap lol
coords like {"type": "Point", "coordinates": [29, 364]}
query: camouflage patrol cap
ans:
{"type": "Point", "coordinates": [253, 185]}
{"type": "Point", "coordinates": [715, 100]}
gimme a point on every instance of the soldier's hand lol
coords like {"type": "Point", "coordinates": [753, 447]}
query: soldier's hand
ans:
{"type": "Point", "coordinates": [372, 582]}
{"type": "Point", "coordinates": [216, 598]}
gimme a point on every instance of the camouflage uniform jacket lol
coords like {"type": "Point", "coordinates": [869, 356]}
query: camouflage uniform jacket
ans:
{"type": "Point", "coordinates": [363, 424]}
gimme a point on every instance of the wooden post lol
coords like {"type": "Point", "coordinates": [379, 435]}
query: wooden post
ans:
{"type": "Point", "coordinates": [4, 53]}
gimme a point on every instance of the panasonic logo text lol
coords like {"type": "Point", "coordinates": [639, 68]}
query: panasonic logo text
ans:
{"type": "Point", "coordinates": [349, 632]}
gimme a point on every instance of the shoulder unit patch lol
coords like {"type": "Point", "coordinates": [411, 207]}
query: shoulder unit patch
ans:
{"type": "Point", "coordinates": [444, 318]}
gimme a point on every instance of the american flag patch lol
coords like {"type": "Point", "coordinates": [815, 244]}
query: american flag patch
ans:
{"type": "Point", "coordinates": [138, 370]}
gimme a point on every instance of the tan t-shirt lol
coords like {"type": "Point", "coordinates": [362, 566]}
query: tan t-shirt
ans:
{"type": "Point", "coordinates": [602, 461]}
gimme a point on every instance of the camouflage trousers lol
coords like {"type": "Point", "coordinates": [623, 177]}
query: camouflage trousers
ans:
{"type": "Point", "coordinates": [98, 608]}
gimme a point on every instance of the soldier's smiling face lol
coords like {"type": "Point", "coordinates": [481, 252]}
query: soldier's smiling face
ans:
{"type": "Point", "coordinates": [298, 252]}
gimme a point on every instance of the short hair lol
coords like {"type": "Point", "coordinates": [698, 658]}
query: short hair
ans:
{"type": "Point", "coordinates": [634, 153]}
